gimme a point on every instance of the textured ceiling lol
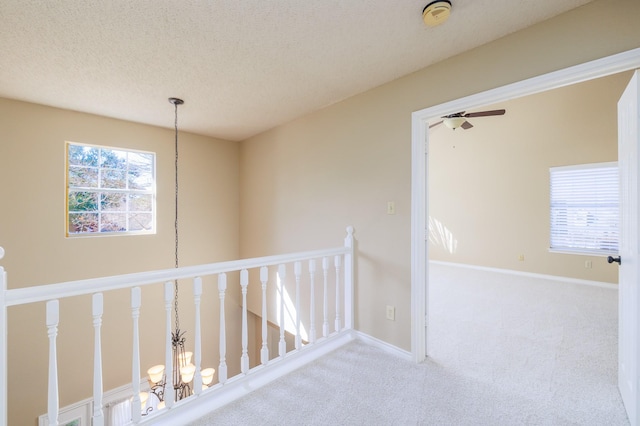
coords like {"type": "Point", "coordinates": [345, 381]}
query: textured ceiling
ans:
{"type": "Point", "coordinates": [242, 66]}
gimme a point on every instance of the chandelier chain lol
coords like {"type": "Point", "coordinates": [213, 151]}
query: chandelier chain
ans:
{"type": "Point", "coordinates": [177, 322]}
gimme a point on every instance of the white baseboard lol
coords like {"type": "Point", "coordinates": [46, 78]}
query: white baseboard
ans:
{"type": "Point", "coordinates": [529, 274]}
{"type": "Point", "coordinates": [387, 347]}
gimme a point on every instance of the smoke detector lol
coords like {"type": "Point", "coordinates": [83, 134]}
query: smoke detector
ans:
{"type": "Point", "coordinates": [436, 12]}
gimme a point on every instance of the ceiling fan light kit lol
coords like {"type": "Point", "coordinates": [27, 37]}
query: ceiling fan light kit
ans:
{"type": "Point", "coordinates": [454, 122]}
{"type": "Point", "coordinates": [436, 12]}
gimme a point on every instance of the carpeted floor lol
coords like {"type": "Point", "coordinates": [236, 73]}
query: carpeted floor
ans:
{"type": "Point", "coordinates": [503, 351]}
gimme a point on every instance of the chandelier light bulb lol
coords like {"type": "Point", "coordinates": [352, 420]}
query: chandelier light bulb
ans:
{"type": "Point", "coordinates": [156, 373]}
{"type": "Point", "coordinates": [187, 372]}
{"type": "Point", "coordinates": [207, 375]}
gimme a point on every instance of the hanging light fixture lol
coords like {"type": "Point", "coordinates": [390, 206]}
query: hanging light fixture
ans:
{"type": "Point", "coordinates": [183, 369]}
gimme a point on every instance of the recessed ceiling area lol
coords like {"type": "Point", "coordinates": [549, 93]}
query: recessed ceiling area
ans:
{"type": "Point", "coordinates": [241, 67]}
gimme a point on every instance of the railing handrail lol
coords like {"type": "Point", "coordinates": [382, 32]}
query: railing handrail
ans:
{"type": "Point", "coordinates": [42, 293]}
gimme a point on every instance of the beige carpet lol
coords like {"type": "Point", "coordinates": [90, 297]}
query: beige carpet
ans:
{"type": "Point", "coordinates": [504, 351]}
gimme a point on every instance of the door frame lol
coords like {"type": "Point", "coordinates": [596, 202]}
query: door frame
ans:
{"type": "Point", "coordinates": [419, 174]}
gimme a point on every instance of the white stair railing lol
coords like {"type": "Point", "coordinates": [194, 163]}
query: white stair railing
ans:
{"type": "Point", "coordinates": [271, 309]}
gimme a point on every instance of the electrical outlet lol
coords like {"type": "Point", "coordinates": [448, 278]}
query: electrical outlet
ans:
{"type": "Point", "coordinates": [391, 207]}
{"type": "Point", "coordinates": [588, 264]}
{"type": "Point", "coordinates": [391, 313]}
{"type": "Point", "coordinates": [521, 258]}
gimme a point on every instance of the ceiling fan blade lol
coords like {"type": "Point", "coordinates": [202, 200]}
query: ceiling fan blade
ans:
{"type": "Point", "coordinates": [435, 124]}
{"type": "Point", "coordinates": [485, 113]}
{"type": "Point", "coordinates": [466, 125]}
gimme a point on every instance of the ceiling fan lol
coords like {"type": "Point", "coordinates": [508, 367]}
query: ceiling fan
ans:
{"type": "Point", "coordinates": [459, 119]}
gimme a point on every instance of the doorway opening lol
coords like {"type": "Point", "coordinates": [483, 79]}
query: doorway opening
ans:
{"type": "Point", "coordinates": [420, 148]}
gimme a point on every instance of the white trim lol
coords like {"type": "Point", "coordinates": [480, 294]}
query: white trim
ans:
{"type": "Point", "coordinates": [419, 142]}
{"type": "Point", "coordinates": [380, 344]}
{"type": "Point", "coordinates": [558, 278]}
{"type": "Point", "coordinates": [419, 241]}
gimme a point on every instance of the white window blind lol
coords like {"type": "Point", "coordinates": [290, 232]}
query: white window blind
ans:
{"type": "Point", "coordinates": [584, 208]}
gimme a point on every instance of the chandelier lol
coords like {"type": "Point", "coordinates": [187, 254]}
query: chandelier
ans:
{"type": "Point", "coordinates": [183, 370]}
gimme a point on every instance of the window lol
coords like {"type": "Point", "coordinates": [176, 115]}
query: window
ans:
{"type": "Point", "coordinates": [109, 190]}
{"type": "Point", "coordinates": [584, 208]}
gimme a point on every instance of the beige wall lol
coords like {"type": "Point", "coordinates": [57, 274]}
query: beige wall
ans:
{"type": "Point", "coordinates": [32, 159]}
{"type": "Point", "coordinates": [489, 186]}
{"type": "Point", "coordinates": [303, 182]}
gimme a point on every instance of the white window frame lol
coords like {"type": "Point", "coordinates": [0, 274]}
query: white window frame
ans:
{"type": "Point", "coordinates": [587, 196]}
{"type": "Point", "coordinates": [103, 190]}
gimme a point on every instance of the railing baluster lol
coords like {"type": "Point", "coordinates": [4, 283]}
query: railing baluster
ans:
{"type": "Point", "coordinates": [348, 279]}
{"type": "Point", "coordinates": [282, 275]}
{"type": "Point", "coordinates": [325, 301]}
{"type": "Point", "coordinates": [297, 271]}
{"type": "Point", "coordinates": [97, 310]}
{"type": "Point", "coordinates": [312, 303]}
{"type": "Point", "coordinates": [222, 369]}
{"type": "Point", "coordinates": [244, 360]}
{"type": "Point", "coordinates": [53, 318]}
{"type": "Point", "coordinates": [169, 391]}
{"type": "Point", "coordinates": [337, 263]}
{"type": "Point", "coordinates": [197, 294]}
{"type": "Point", "coordinates": [136, 302]}
{"type": "Point", "coordinates": [264, 352]}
